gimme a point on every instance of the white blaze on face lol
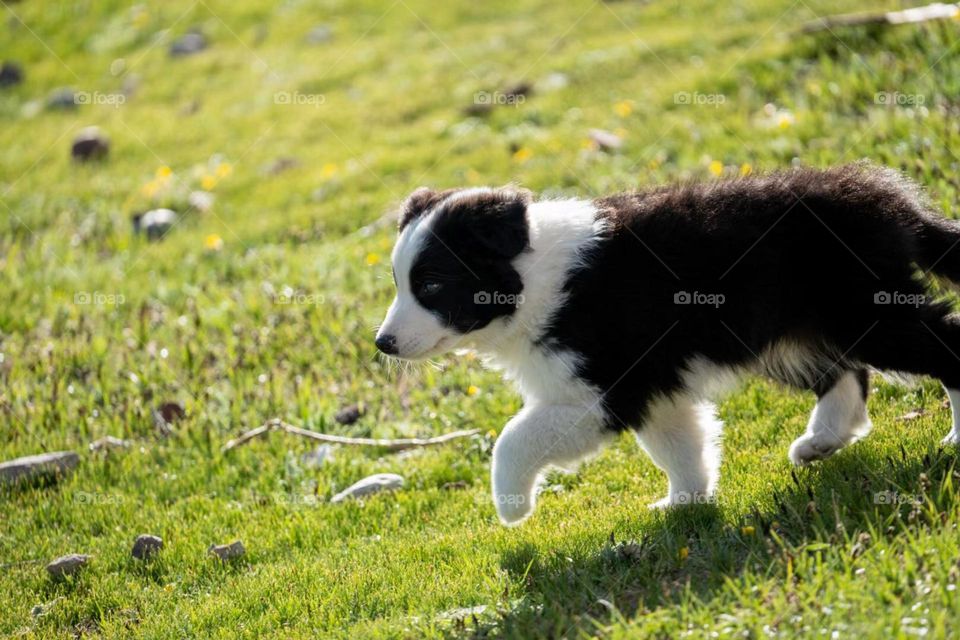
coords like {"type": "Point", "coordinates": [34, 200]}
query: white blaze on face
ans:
{"type": "Point", "coordinates": [417, 332]}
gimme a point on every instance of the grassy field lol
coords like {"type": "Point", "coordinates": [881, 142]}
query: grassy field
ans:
{"type": "Point", "coordinates": [264, 306]}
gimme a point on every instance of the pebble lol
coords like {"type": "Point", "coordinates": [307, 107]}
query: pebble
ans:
{"type": "Point", "coordinates": [30, 468]}
{"type": "Point", "coordinates": [188, 44]}
{"type": "Point", "coordinates": [67, 565]}
{"type": "Point", "coordinates": [227, 552]}
{"type": "Point", "coordinates": [605, 140]}
{"type": "Point", "coordinates": [109, 442]}
{"type": "Point", "coordinates": [348, 414]}
{"type": "Point", "coordinates": [146, 545]}
{"type": "Point", "coordinates": [369, 485]}
{"type": "Point", "coordinates": [62, 98]}
{"type": "Point", "coordinates": [90, 144]}
{"type": "Point", "coordinates": [154, 223]}
{"type": "Point", "coordinates": [11, 74]}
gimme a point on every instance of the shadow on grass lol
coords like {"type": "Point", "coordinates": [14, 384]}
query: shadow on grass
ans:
{"type": "Point", "coordinates": [694, 551]}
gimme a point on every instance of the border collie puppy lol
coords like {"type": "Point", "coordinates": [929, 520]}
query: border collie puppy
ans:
{"type": "Point", "coordinates": [634, 310]}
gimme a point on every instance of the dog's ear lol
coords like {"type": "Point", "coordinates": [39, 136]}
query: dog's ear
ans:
{"type": "Point", "coordinates": [421, 201]}
{"type": "Point", "coordinates": [499, 221]}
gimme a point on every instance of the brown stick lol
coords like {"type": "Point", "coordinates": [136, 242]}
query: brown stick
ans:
{"type": "Point", "coordinates": [393, 445]}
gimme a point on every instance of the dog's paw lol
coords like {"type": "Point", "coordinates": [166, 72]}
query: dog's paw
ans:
{"type": "Point", "coordinates": [951, 439]}
{"type": "Point", "coordinates": [663, 503]}
{"type": "Point", "coordinates": [513, 509]}
{"type": "Point", "coordinates": [812, 447]}
{"type": "Point", "coordinates": [682, 499]}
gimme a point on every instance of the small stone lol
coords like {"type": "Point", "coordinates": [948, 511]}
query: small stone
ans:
{"type": "Point", "coordinates": [67, 565]}
{"type": "Point", "coordinates": [227, 552]}
{"type": "Point", "coordinates": [320, 34]}
{"type": "Point", "coordinates": [90, 144]}
{"type": "Point", "coordinates": [188, 44]}
{"type": "Point", "coordinates": [154, 223]}
{"type": "Point", "coordinates": [202, 201]}
{"type": "Point", "coordinates": [349, 414]}
{"type": "Point", "coordinates": [280, 165]}
{"type": "Point", "coordinates": [31, 468]}
{"type": "Point", "coordinates": [108, 442]}
{"type": "Point", "coordinates": [605, 140]}
{"type": "Point", "coordinates": [369, 485]}
{"type": "Point", "coordinates": [146, 545]}
{"type": "Point", "coordinates": [911, 415]}
{"type": "Point", "coordinates": [456, 485]}
{"type": "Point", "coordinates": [62, 98]}
{"type": "Point", "coordinates": [11, 73]}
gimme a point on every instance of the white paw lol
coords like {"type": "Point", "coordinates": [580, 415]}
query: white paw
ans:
{"type": "Point", "coordinates": [811, 447]}
{"type": "Point", "coordinates": [513, 508]}
{"type": "Point", "coordinates": [952, 438]}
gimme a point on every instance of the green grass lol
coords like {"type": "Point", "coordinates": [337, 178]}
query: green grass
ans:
{"type": "Point", "coordinates": [782, 552]}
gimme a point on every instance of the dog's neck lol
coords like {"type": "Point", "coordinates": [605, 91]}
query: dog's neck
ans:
{"type": "Point", "coordinates": [560, 234]}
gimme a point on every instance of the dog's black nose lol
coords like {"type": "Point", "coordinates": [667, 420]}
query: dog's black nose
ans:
{"type": "Point", "coordinates": [387, 344]}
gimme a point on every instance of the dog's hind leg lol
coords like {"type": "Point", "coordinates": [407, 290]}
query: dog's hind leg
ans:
{"type": "Point", "coordinates": [839, 418]}
{"type": "Point", "coordinates": [925, 343]}
{"type": "Point", "coordinates": [954, 436]}
{"type": "Point", "coordinates": [534, 439]}
{"type": "Point", "coordinates": [682, 437]}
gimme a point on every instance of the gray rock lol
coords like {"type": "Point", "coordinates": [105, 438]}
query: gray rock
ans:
{"type": "Point", "coordinates": [62, 98]}
{"type": "Point", "coordinates": [11, 73]}
{"type": "Point", "coordinates": [188, 44]}
{"type": "Point", "coordinates": [67, 565]}
{"type": "Point", "coordinates": [369, 485]}
{"type": "Point", "coordinates": [605, 140]}
{"type": "Point", "coordinates": [146, 545]}
{"type": "Point", "coordinates": [31, 468]}
{"type": "Point", "coordinates": [154, 223]}
{"type": "Point", "coordinates": [227, 552]}
{"type": "Point", "coordinates": [90, 144]}
{"type": "Point", "coordinates": [349, 414]}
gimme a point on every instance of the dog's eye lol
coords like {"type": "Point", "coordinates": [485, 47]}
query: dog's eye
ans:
{"type": "Point", "coordinates": [430, 287]}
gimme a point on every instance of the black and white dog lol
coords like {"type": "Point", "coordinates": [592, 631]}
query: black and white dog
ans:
{"type": "Point", "coordinates": [633, 311]}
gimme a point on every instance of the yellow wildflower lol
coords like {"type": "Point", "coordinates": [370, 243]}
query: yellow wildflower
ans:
{"type": "Point", "coordinates": [164, 172]}
{"type": "Point", "coordinates": [225, 169]}
{"type": "Point", "coordinates": [522, 154]}
{"type": "Point", "coordinates": [328, 170]}
{"type": "Point", "coordinates": [472, 390]}
{"type": "Point", "coordinates": [747, 530]}
{"type": "Point", "coordinates": [623, 108]}
{"type": "Point", "coordinates": [684, 553]}
{"type": "Point", "coordinates": [372, 259]}
{"type": "Point", "coordinates": [208, 182]}
{"type": "Point", "coordinates": [716, 167]}
{"type": "Point", "coordinates": [746, 169]}
{"type": "Point", "coordinates": [213, 242]}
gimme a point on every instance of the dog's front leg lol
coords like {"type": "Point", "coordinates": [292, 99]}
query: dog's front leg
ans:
{"type": "Point", "coordinates": [538, 437]}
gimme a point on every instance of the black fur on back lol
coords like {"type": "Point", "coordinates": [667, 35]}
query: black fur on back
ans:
{"type": "Point", "coordinates": [819, 262]}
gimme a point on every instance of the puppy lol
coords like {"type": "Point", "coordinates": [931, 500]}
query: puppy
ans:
{"type": "Point", "coordinates": [633, 311]}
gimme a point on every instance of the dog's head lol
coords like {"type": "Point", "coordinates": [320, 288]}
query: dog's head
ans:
{"type": "Point", "coordinates": [453, 268]}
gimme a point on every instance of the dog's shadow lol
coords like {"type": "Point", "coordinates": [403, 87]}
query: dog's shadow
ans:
{"type": "Point", "coordinates": [696, 549]}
